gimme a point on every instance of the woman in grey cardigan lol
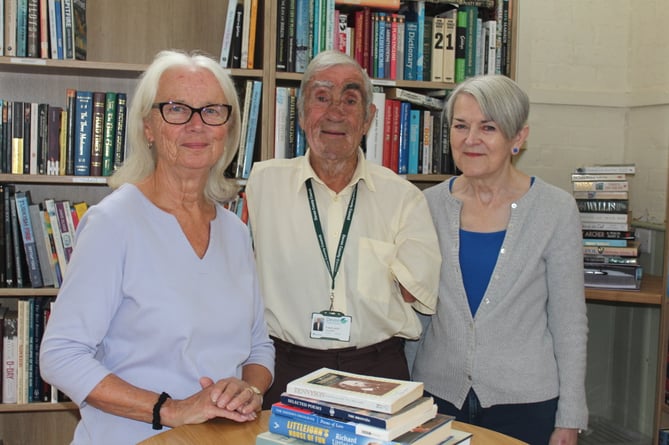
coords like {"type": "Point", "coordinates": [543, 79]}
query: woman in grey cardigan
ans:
{"type": "Point", "coordinates": [507, 347]}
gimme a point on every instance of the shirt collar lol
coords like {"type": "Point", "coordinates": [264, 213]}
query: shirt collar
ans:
{"type": "Point", "coordinates": [361, 172]}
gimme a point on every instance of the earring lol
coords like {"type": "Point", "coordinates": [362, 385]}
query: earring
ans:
{"type": "Point", "coordinates": [515, 150]}
{"type": "Point", "coordinates": [150, 145]}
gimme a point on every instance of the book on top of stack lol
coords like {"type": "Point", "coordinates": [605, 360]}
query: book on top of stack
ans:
{"type": "Point", "coordinates": [332, 407]}
{"type": "Point", "coordinates": [610, 247]}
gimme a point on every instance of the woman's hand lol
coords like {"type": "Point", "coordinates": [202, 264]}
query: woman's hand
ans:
{"type": "Point", "coordinates": [230, 398]}
{"type": "Point", "coordinates": [564, 436]}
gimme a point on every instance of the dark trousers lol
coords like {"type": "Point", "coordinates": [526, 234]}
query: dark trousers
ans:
{"type": "Point", "coordinates": [530, 422]}
{"type": "Point", "coordinates": [385, 359]}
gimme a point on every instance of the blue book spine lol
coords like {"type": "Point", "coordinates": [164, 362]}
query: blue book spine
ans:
{"type": "Point", "coordinates": [403, 163]}
{"type": "Point", "coordinates": [316, 29]}
{"type": "Point", "coordinates": [380, 50]}
{"type": "Point", "coordinates": [604, 242]}
{"type": "Point", "coordinates": [59, 29]}
{"type": "Point", "coordinates": [252, 127]}
{"type": "Point", "coordinates": [420, 38]}
{"type": "Point", "coordinates": [28, 237]}
{"type": "Point", "coordinates": [317, 433]}
{"type": "Point", "coordinates": [82, 129]}
{"type": "Point", "coordinates": [414, 141]}
{"type": "Point", "coordinates": [21, 28]}
{"type": "Point", "coordinates": [410, 49]}
{"type": "Point", "coordinates": [302, 47]}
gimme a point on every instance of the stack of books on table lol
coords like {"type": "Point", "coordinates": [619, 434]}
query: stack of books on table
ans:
{"type": "Point", "coordinates": [610, 247]}
{"type": "Point", "coordinates": [331, 407]}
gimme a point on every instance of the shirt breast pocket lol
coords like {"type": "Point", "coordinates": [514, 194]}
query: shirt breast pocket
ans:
{"type": "Point", "coordinates": [375, 278]}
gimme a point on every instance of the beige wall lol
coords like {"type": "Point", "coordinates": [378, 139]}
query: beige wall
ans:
{"type": "Point", "coordinates": [597, 72]}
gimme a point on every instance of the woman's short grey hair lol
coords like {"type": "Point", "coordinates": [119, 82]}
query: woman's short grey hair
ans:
{"type": "Point", "coordinates": [327, 59]}
{"type": "Point", "coordinates": [501, 100]}
{"type": "Point", "coordinates": [141, 159]}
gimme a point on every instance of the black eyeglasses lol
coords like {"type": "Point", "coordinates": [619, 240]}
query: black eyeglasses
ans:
{"type": "Point", "coordinates": [178, 114]}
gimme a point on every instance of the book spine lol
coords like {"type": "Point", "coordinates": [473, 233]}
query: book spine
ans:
{"type": "Point", "coordinates": [325, 409]}
{"type": "Point", "coordinates": [69, 133]}
{"type": "Point", "coordinates": [282, 20]}
{"type": "Point", "coordinates": [19, 254]}
{"type": "Point", "coordinates": [28, 237]}
{"type": "Point", "coordinates": [52, 252]}
{"type": "Point", "coordinates": [604, 226]}
{"type": "Point", "coordinates": [10, 27]}
{"type": "Point", "coordinates": [68, 30]}
{"type": "Point", "coordinates": [598, 177]}
{"type": "Point", "coordinates": [52, 213]}
{"type": "Point", "coordinates": [403, 154]}
{"type": "Point", "coordinates": [605, 186]}
{"type": "Point", "coordinates": [43, 253]}
{"type": "Point", "coordinates": [252, 128]}
{"type": "Point", "coordinates": [80, 29]}
{"type": "Point", "coordinates": [623, 169]}
{"type": "Point", "coordinates": [605, 242]}
{"type": "Point", "coordinates": [605, 217]}
{"type": "Point", "coordinates": [603, 205]}
{"type": "Point", "coordinates": [614, 251]}
{"type": "Point", "coordinates": [109, 137]}
{"type": "Point", "coordinates": [83, 124]}
{"type": "Point", "coordinates": [119, 143]}
{"type": "Point", "coordinates": [236, 45]}
{"type": "Point", "coordinates": [410, 48]}
{"type": "Point", "coordinates": [291, 32]}
{"type": "Point", "coordinates": [227, 34]}
{"type": "Point", "coordinates": [316, 433]}
{"type": "Point", "coordinates": [10, 353]}
{"type": "Point", "coordinates": [302, 49]}
{"type": "Point", "coordinates": [59, 29]}
{"type": "Point", "coordinates": [53, 140]}
{"type": "Point", "coordinates": [7, 192]}
{"type": "Point", "coordinates": [33, 35]}
{"type": "Point", "coordinates": [414, 141]}
{"type": "Point", "coordinates": [21, 27]}
{"type": "Point", "coordinates": [66, 235]}
{"type": "Point", "coordinates": [97, 134]}
{"type": "Point", "coordinates": [609, 234]}
{"type": "Point", "coordinates": [280, 122]}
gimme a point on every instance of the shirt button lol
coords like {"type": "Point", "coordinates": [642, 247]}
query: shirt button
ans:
{"type": "Point", "coordinates": [502, 250]}
{"type": "Point", "coordinates": [514, 205]}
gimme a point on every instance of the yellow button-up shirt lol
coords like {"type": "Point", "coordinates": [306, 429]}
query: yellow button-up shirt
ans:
{"type": "Point", "coordinates": [391, 239]}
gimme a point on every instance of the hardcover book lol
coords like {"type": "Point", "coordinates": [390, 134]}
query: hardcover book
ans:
{"type": "Point", "coordinates": [83, 133]}
{"type": "Point", "coordinates": [375, 393]}
{"type": "Point", "coordinates": [359, 415]}
{"type": "Point", "coordinates": [10, 357]}
{"type": "Point", "coordinates": [97, 134]}
{"type": "Point", "coordinates": [415, 98]}
{"type": "Point", "coordinates": [434, 431]}
{"type": "Point", "coordinates": [612, 276]}
{"type": "Point", "coordinates": [605, 186]}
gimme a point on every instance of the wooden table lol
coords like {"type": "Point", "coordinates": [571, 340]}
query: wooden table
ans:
{"type": "Point", "coordinates": [225, 432]}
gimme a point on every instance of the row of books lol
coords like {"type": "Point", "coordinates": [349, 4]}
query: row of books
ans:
{"type": "Point", "coordinates": [252, 96]}
{"type": "Point", "coordinates": [36, 239]}
{"type": "Point", "coordinates": [610, 247]}
{"type": "Point", "coordinates": [46, 29]}
{"type": "Point", "coordinates": [334, 407]}
{"type": "Point", "coordinates": [408, 133]}
{"type": "Point", "coordinates": [418, 40]}
{"type": "Point", "coordinates": [86, 138]}
{"type": "Point", "coordinates": [238, 49]}
{"type": "Point", "coordinates": [21, 330]}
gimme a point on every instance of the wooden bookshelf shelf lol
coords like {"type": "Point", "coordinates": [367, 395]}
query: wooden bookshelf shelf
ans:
{"type": "Point", "coordinates": [37, 407]}
{"type": "Point", "coordinates": [651, 292]}
{"type": "Point", "coordinates": [52, 179]}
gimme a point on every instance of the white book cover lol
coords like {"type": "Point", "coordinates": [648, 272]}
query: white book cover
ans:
{"type": "Point", "coordinates": [227, 34]}
{"type": "Point", "coordinates": [374, 138]}
{"type": "Point", "coordinates": [10, 357]}
{"type": "Point", "coordinates": [375, 393]}
{"type": "Point", "coordinates": [281, 122]}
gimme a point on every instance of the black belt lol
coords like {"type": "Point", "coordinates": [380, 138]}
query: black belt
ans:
{"type": "Point", "coordinates": [344, 353]}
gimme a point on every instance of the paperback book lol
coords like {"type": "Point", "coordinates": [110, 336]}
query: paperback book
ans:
{"type": "Point", "coordinates": [434, 431]}
{"type": "Point", "coordinates": [363, 416]}
{"type": "Point", "coordinates": [375, 393]}
{"type": "Point", "coordinates": [354, 428]}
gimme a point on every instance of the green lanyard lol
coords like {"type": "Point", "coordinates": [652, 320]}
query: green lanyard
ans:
{"type": "Point", "coordinates": [321, 238]}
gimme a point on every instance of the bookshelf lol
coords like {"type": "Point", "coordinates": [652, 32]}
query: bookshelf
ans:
{"type": "Point", "coordinates": [122, 38]}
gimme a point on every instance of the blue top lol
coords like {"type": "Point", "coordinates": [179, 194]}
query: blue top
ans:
{"type": "Point", "coordinates": [139, 303]}
{"type": "Point", "coordinates": [478, 256]}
